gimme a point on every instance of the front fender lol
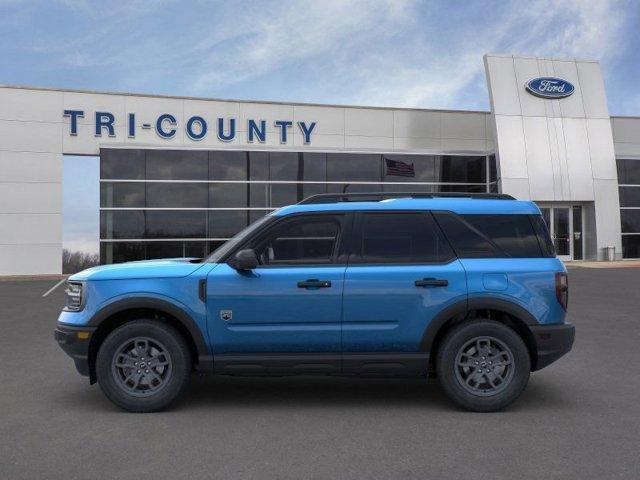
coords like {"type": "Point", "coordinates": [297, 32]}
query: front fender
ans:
{"type": "Point", "coordinates": [181, 312]}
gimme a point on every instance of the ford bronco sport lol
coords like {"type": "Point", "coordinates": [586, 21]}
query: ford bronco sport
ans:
{"type": "Point", "coordinates": [463, 287]}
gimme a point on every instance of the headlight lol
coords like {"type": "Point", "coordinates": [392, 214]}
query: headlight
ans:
{"type": "Point", "coordinates": [75, 297]}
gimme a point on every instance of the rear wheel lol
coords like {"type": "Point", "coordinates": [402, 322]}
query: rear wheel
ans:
{"type": "Point", "coordinates": [483, 365]}
{"type": "Point", "coordinates": [143, 366]}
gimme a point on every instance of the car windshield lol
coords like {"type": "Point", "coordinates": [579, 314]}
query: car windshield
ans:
{"type": "Point", "coordinates": [234, 241]}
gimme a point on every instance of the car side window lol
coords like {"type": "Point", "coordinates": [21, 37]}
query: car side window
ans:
{"type": "Point", "coordinates": [490, 236]}
{"type": "Point", "coordinates": [399, 238]}
{"type": "Point", "coordinates": [306, 240]}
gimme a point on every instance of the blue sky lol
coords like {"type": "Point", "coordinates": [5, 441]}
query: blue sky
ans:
{"type": "Point", "coordinates": [372, 52]}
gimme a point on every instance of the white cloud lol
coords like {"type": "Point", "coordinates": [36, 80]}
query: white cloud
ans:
{"type": "Point", "coordinates": [250, 46]}
{"type": "Point", "coordinates": [385, 52]}
{"type": "Point", "coordinates": [578, 29]}
{"type": "Point", "coordinates": [378, 53]}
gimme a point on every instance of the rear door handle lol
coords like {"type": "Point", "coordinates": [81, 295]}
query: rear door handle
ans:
{"type": "Point", "coordinates": [431, 282]}
{"type": "Point", "coordinates": [313, 283]}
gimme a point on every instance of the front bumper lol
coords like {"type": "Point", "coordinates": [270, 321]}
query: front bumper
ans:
{"type": "Point", "coordinates": [552, 342]}
{"type": "Point", "coordinates": [75, 343]}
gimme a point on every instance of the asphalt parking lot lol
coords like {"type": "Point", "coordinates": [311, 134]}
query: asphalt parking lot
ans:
{"type": "Point", "coordinates": [579, 418]}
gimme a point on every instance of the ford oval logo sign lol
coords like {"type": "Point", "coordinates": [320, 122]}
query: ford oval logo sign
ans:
{"type": "Point", "coordinates": [549, 87]}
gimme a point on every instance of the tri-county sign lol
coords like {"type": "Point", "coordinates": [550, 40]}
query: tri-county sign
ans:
{"type": "Point", "coordinates": [549, 87]}
{"type": "Point", "coordinates": [196, 127]}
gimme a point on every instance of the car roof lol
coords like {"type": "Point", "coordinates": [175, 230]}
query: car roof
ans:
{"type": "Point", "coordinates": [456, 205]}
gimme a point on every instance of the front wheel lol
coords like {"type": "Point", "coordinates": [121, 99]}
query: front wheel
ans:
{"type": "Point", "coordinates": [143, 366]}
{"type": "Point", "coordinates": [483, 365]}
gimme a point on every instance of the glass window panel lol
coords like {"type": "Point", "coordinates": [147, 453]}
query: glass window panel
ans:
{"type": "Point", "coordinates": [561, 237]}
{"type": "Point", "coordinates": [176, 224]}
{"type": "Point", "coordinates": [195, 249]}
{"type": "Point", "coordinates": [315, 166]}
{"type": "Point", "coordinates": [629, 196]}
{"type": "Point", "coordinates": [409, 168]}
{"type": "Point", "coordinates": [258, 166]}
{"type": "Point", "coordinates": [226, 223]}
{"type": "Point", "coordinates": [628, 171]}
{"type": "Point", "coordinates": [213, 245]}
{"type": "Point", "coordinates": [255, 215]}
{"type": "Point", "coordinates": [228, 165]}
{"type": "Point", "coordinates": [259, 195]}
{"type": "Point", "coordinates": [512, 233]}
{"type": "Point", "coordinates": [355, 167]}
{"type": "Point", "coordinates": [409, 188]}
{"type": "Point", "coordinates": [122, 195]}
{"type": "Point", "coordinates": [577, 232]}
{"type": "Point", "coordinates": [630, 221]}
{"type": "Point", "coordinates": [462, 169]}
{"type": "Point", "coordinates": [353, 188]}
{"type": "Point", "coordinates": [285, 194]}
{"type": "Point", "coordinates": [122, 224]}
{"type": "Point", "coordinates": [461, 188]}
{"type": "Point", "coordinates": [177, 195]}
{"type": "Point", "coordinates": [466, 242]}
{"type": "Point", "coordinates": [493, 168]}
{"type": "Point", "coordinates": [309, 189]}
{"type": "Point", "coordinates": [401, 238]}
{"type": "Point", "coordinates": [284, 166]}
{"type": "Point", "coordinates": [118, 252]}
{"type": "Point", "coordinates": [127, 164]}
{"type": "Point", "coordinates": [631, 246]}
{"type": "Point", "coordinates": [303, 241]}
{"type": "Point", "coordinates": [165, 250]}
{"type": "Point", "coordinates": [177, 165]}
{"type": "Point", "coordinates": [228, 195]}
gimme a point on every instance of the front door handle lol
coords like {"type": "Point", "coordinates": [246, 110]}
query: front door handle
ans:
{"type": "Point", "coordinates": [313, 283]}
{"type": "Point", "coordinates": [431, 282]}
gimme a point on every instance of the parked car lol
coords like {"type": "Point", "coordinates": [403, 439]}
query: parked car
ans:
{"type": "Point", "coordinates": [463, 287]}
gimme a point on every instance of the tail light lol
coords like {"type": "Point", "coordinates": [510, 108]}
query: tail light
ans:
{"type": "Point", "coordinates": [562, 289]}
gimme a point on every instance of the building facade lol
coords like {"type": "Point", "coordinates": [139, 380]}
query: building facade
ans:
{"type": "Point", "coordinates": [178, 176]}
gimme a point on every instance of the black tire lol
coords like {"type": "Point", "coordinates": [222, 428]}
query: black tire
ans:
{"type": "Point", "coordinates": [170, 368]}
{"type": "Point", "coordinates": [476, 391]}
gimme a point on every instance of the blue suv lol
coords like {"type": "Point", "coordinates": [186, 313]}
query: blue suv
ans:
{"type": "Point", "coordinates": [466, 288]}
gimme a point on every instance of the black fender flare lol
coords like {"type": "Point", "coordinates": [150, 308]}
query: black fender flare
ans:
{"type": "Point", "coordinates": [204, 357]}
{"type": "Point", "coordinates": [465, 306]}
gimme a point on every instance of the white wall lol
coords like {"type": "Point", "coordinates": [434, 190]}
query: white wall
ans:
{"type": "Point", "coordinates": [626, 136]}
{"type": "Point", "coordinates": [556, 150]}
{"type": "Point", "coordinates": [30, 182]}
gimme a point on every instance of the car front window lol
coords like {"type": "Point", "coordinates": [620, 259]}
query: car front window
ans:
{"type": "Point", "coordinates": [236, 240]}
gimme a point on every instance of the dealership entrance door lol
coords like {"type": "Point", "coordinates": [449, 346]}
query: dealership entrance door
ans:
{"type": "Point", "coordinates": [565, 224]}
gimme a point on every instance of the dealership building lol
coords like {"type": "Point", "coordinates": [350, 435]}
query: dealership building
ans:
{"type": "Point", "coordinates": [180, 175]}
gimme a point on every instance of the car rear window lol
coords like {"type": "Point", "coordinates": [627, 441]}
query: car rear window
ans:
{"type": "Point", "coordinates": [492, 236]}
{"type": "Point", "coordinates": [399, 238]}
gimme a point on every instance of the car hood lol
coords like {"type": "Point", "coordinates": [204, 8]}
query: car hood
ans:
{"type": "Point", "coordinates": [165, 268]}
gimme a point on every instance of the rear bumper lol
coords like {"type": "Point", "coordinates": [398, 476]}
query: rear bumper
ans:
{"type": "Point", "coordinates": [552, 342]}
{"type": "Point", "coordinates": [75, 345]}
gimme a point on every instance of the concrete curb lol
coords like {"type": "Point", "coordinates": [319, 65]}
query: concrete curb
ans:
{"type": "Point", "coordinates": [616, 264]}
{"type": "Point", "coordinates": [29, 278]}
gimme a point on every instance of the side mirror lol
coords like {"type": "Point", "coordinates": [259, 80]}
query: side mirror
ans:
{"type": "Point", "coordinates": [245, 260]}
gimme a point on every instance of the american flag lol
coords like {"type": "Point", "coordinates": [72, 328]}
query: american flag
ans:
{"type": "Point", "coordinates": [399, 169]}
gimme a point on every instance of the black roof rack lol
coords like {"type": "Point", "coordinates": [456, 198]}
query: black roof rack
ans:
{"type": "Point", "coordinates": [378, 196]}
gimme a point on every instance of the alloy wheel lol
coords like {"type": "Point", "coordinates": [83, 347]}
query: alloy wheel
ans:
{"type": "Point", "coordinates": [484, 366]}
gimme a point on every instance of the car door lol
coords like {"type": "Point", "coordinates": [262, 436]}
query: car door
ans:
{"type": "Point", "coordinates": [402, 272]}
{"type": "Point", "coordinates": [290, 304]}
